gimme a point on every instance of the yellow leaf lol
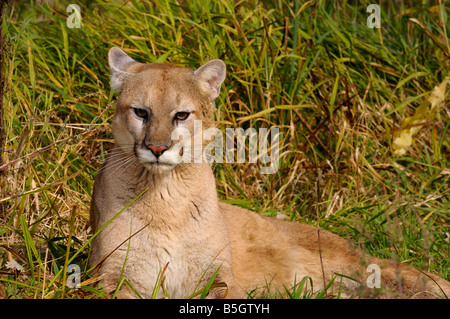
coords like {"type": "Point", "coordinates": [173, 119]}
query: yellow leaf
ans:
{"type": "Point", "coordinates": [403, 141]}
{"type": "Point", "coordinates": [438, 94]}
{"type": "Point", "coordinates": [404, 137]}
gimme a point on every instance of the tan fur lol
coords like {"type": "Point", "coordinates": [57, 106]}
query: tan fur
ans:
{"type": "Point", "coordinates": [178, 221]}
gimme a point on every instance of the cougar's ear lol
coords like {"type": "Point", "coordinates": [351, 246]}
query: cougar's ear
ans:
{"type": "Point", "coordinates": [210, 76]}
{"type": "Point", "coordinates": [119, 63]}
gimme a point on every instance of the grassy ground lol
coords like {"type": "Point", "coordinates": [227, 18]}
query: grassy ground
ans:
{"type": "Point", "coordinates": [337, 89]}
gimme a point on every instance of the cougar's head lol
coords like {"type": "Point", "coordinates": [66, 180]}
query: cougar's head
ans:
{"type": "Point", "coordinates": [158, 100]}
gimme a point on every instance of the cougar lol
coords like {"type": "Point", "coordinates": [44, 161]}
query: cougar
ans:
{"type": "Point", "coordinates": [162, 232]}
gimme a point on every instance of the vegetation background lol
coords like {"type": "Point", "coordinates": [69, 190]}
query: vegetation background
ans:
{"type": "Point", "coordinates": [364, 152]}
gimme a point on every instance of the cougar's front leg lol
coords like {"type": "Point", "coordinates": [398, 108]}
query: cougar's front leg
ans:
{"type": "Point", "coordinates": [111, 270]}
{"type": "Point", "coordinates": [230, 290]}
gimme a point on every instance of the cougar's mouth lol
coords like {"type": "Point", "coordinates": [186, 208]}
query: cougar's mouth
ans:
{"type": "Point", "coordinates": [157, 164]}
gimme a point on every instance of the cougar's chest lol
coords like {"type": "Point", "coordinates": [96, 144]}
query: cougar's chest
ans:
{"type": "Point", "coordinates": [162, 248]}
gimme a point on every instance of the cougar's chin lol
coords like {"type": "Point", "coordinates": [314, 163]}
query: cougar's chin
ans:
{"type": "Point", "coordinates": [158, 167]}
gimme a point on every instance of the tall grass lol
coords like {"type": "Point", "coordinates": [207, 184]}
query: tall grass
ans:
{"type": "Point", "coordinates": [335, 88]}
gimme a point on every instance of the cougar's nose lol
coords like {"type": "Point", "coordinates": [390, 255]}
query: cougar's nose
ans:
{"type": "Point", "coordinates": [157, 150]}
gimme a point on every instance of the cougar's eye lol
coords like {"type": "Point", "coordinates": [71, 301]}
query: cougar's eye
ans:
{"type": "Point", "coordinates": [181, 116]}
{"type": "Point", "coordinates": [140, 112]}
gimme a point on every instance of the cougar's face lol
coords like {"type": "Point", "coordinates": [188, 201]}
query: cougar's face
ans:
{"type": "Point", "coordinates": [157, 107]}
{"type": "Point", "coordinates": [156, 104]}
